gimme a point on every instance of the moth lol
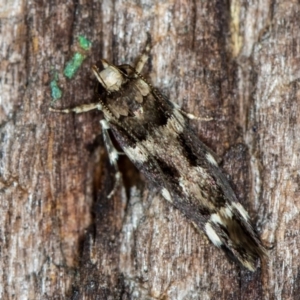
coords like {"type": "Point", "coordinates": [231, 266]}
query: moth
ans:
{"type": "Point", "coordinates": [155, 135]}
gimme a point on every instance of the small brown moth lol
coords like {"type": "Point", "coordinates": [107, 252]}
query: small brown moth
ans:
{"type": "Point", "coordinates": [154, 133]}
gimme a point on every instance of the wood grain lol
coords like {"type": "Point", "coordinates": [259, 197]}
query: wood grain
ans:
{"type": "Point", "coordinates": [237, 61]}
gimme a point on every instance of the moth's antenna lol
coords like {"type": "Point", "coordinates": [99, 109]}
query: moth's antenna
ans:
{"type": "Point", "coordinates": [98, 76]}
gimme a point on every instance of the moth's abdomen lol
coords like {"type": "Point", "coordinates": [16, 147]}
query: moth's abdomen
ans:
{"type": "Point", "coordinates": [230, 229]}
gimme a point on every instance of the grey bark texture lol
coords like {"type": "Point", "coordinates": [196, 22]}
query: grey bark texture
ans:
{"type": "Point", "coordinates": [235, 61]}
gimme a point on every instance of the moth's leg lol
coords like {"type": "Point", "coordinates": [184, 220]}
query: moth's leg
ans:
{"type": "Point", "coordinates": [192, 117]}
{"type": "Point", "coordinates": [143, 59]}
{"type": "Point", "coordinates": [188, 115]}
{"type": "Point", "coordinates": [78, 109]}
{"type": "Point", "coordinates": [113, 154]}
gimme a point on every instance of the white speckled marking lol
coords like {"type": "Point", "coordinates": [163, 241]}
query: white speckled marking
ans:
{"type": "Point", "coordinates": [104, 124]}
{"type": "Point", "coordinates": [113, 155]}
{"type": "Point", "coordinates": [211, 159]}
{"type": "Point", "coordinates": [241, 210]}
{"type": "Point", "coordinates": [165, 193]}
{"type": "Point", "coordinates": [212, 235]}
{"type": "Point", "coordinates": [136, 154]}
{"type": "Point", "coordinates": [228, 212]}
{"type": "Point", "coordinates": [216, 219]}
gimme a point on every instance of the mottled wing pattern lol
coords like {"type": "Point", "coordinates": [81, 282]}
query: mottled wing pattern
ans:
{"type": "Point", "coordinates": [157, 139]}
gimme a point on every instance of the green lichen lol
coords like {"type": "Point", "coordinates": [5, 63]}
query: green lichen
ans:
{"type": "Point", "coordinates": [56, 92]}
{"type": "Point", "coordinates": [73, 65]}
{"type": "Point", "coordinates": [84, 43]}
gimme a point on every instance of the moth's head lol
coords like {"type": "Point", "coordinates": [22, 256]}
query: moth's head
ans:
{"type": "Point", "coordinates": [109, 76]}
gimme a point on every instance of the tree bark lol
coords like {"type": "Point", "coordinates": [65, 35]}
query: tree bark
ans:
{"type": "Point", "coordinates": [61, 237]}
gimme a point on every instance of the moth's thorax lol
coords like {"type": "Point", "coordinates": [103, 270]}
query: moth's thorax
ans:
{"type": "Point", "coordinates": [132, 101]}
{"type": "Point", "coordinates": [109, 76]}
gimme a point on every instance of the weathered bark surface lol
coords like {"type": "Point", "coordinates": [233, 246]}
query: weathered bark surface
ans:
{"type": "Point", "coordinates": [238, 62]}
